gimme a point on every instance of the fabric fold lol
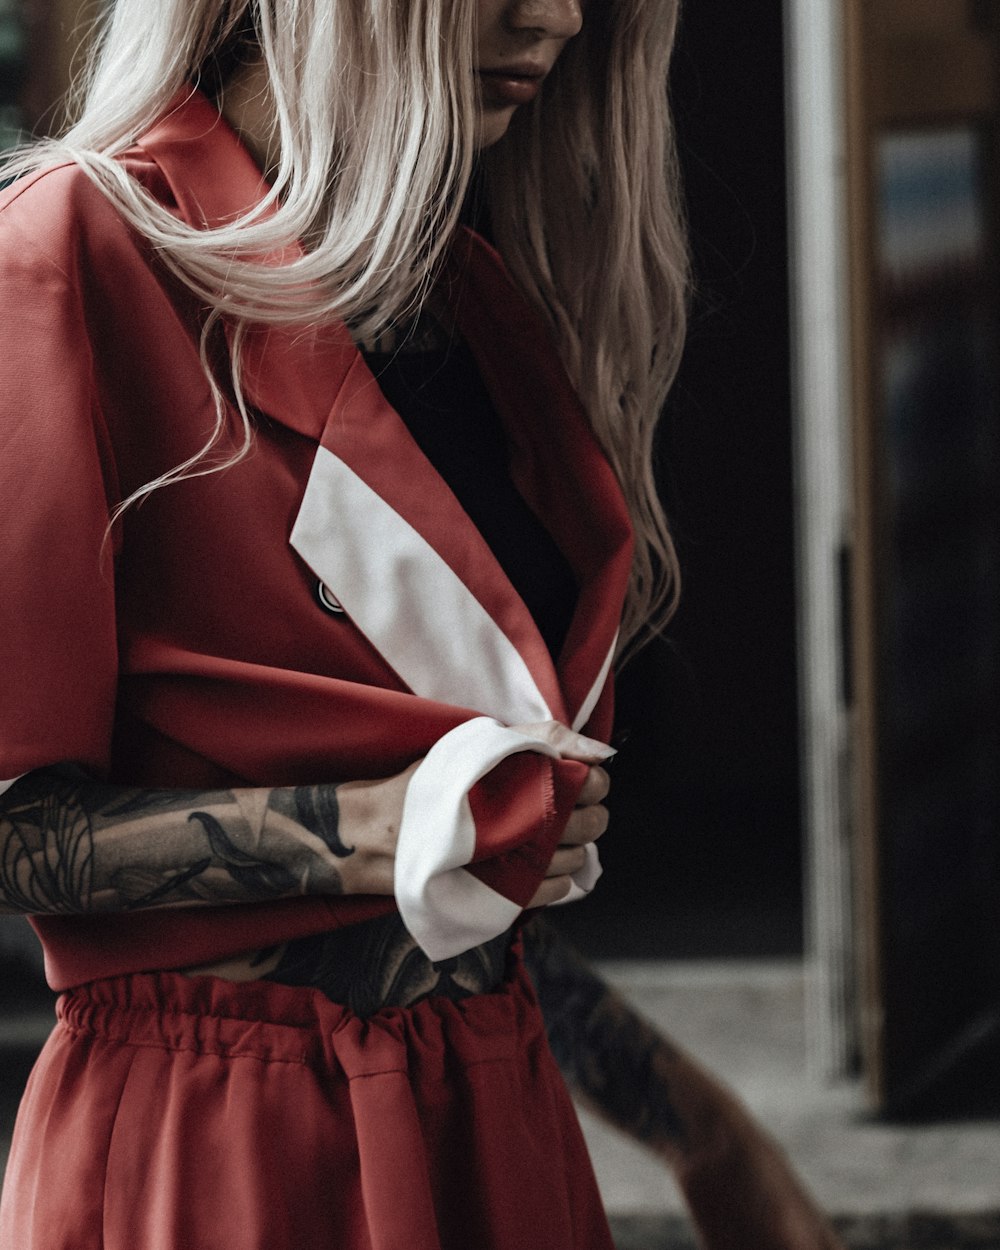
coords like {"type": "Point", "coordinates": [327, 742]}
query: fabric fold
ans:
{"type": "Point", "coordinates": [446, 908]}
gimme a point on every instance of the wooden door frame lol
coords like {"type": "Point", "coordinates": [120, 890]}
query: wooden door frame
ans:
{"type": "Point", "coordinates": [906, 63]}
{"type": "Point", "coordinates": [820, 300]}
{"type": "Point", "coordinates": [838, 102]}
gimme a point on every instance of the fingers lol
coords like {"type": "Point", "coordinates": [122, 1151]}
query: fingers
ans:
{"type": "Point", "coordinates": [595, 788]}
{"type": "Point", "coordinates": [585, 825]}
{"type": "Point", "coordinates": [589, 819]}
{"type": "Point", "coordinates": [551, 891]}
{"type": "Point", "coordinates": [569, 744]}
{"type": "Point", "coordinates": [566, 861]}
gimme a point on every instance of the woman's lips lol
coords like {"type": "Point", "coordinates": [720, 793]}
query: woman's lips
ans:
{"type": "Point", "coordinates": [502, 88]}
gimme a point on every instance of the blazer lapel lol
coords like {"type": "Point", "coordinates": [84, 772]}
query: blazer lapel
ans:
{"type": "Point", "coordinates": [393, 544]}
{"type": "Point", "coordinates": [556, 461]}
{"type": "Point", "coordinates": [292, 375]}
{"type": "Point", "coordinates": [377, 523]}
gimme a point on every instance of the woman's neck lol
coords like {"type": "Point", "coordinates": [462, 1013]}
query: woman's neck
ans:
{"type": "Point", "coordinates": [246, 103]}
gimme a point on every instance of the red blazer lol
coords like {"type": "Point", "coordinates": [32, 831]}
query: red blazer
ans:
{"type": "Point", "coordinates": [197, 647]}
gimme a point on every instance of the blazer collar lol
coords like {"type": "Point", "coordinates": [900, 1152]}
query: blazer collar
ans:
{"type": "Point", "coordinates": [211, 176]}
{"type": "Point", "coordinates": [211, 179]}
{"type": "Point", "coordinates": [316, 382]}
{"type": "Point", "coordinates": [556, 461]}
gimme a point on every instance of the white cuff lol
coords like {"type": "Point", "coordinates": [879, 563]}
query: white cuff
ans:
{"type": "Point", "coordinates": [446, 909]}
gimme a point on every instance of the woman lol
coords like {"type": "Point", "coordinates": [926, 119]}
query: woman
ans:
{"type": "Point", "coordinates": [309, 703]}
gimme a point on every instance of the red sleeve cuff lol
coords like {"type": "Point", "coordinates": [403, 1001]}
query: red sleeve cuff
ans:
{"type": "Point", "coordinates": [520, 810]}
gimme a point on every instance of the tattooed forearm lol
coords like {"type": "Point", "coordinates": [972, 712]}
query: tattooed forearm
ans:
{"type": "Point", "coordinates": [739, 1187]}
{"type": "Point", "coordinates": [70, 844]}
{"type": "Point", "coordinates": [609, 1055]}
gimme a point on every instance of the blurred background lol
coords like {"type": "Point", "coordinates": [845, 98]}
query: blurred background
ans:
{"type": "Point", "coordinates": [803, 872]}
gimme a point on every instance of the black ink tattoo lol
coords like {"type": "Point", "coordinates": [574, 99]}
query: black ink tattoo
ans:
{"type": "Point", "coordinates": [48, 857]}
{"type": "Point", "coordinates": [377, 964]}
{"type": "Point", "coordinates": [257, 876]}
{"type": "Point", "coordinates": [315, 808]}
{"type": "Point", "coordinates": [171, 886]}
{"type": "Point", "coordinates": [608, 1054]}
{"type": "Point", "coordinates": [69, 844]}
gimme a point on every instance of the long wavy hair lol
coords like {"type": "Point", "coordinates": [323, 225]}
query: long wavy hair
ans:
{"type": "Point", "coordinates": [375, 159]}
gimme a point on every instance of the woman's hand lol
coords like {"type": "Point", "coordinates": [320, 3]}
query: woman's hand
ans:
{"type": "Point", "coordinates": [371, 813]}
{"type": "Point", "coordinates": [72, 844]}
{"type": "Point", "coordinates": [590, 818]}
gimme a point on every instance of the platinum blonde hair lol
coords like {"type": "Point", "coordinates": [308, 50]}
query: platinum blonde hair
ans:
{"type": "Point", "coordinates": [374, 163]}
{"type": "Point", "coordinates": [586, 207]}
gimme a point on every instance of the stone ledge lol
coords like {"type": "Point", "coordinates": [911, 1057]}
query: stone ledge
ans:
{"type": "Point", "coordinates": [910, 1231]}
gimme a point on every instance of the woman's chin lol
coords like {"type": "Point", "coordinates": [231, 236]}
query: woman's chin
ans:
{"type": "Point", "coordinates": [493, 125]}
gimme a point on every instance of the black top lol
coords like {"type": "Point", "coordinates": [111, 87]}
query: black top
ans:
{"type": "Point", "coordinates": [442, 399]}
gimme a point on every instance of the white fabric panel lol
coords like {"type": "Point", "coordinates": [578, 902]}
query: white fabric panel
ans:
{"type": "Point", "coordinates": [6, 785]}
{"type": "Point", "coordinates": [403, 596]}
{"type": "Point", "coordinates": [445, 909]}
{"type": "Point", "coordinates": [398, 591]}
{"type": "Point", "coordinates": [590, 702]}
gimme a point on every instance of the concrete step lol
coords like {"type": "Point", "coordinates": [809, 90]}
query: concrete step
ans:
{"type": "Point", "coordinates": [910, 1231]}
{"type": "Point", "coordinates": [745, 1020]}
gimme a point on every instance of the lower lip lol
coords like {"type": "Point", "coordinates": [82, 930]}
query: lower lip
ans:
{"type": "Point", "coordinates": [502, 92]}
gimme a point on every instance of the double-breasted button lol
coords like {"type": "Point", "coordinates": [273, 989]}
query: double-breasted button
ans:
{"type": "Point", "coordinates": [327, 601]}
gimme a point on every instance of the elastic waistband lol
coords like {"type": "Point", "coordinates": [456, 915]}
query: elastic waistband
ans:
{"type": "Point", "coordinates": [284, 1024]}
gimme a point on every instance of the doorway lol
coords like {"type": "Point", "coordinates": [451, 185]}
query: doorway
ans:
{"type": "Point", "coordinates": [704, 857]}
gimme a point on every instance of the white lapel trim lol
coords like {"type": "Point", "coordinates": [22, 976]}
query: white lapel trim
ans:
{"type": "Point", "coordinates": [446, 909]}
{"type": "Point", "coordinates": [408, 602]}
{"type": "Point", "coordinates": [376, 563]}
{"type": "Point", "coordinates": [590, 702]}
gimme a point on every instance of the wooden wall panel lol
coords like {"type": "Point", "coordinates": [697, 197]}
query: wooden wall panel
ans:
{"type": "Point", "coordinates": [927, 858]}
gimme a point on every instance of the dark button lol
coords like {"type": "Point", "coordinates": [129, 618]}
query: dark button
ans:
{"type": "Point", "coordinates": [328, 602]}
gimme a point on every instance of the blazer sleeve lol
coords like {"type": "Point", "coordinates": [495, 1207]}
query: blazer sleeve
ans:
{"type": "Point", "coordinates": [482, 817]}
{"type": "Point", "coordinates": [58, 660]}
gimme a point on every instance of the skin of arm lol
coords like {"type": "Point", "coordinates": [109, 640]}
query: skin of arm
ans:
{"type": "Point", "coordinates": [70, 844]}
{"type": "Point", "coordinates": [739, 1187]}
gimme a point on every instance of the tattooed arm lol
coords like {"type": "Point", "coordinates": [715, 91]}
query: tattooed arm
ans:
{"type": "Point", "coordinates": [739, 1187]}
{"type": "Point", "coordinates": [70, 844]}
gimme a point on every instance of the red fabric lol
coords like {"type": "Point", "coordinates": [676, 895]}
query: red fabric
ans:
{"type": "Point", "coordinates": [517, 861]}
{"type": "Point", "coordinates": [168, 1113]}
{"type": "Point", "coordinates": [189, 650]}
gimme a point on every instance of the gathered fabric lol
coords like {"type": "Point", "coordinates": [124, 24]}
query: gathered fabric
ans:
{"type": "Point", "coordinates": [176, 1113]}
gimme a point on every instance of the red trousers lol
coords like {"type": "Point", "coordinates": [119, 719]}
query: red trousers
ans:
{"type": "Point", "coordinates": [168, 1113]}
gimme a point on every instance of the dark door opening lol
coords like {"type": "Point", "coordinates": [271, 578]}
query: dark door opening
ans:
{"type": "Point", "coordinates": [704, 856]}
